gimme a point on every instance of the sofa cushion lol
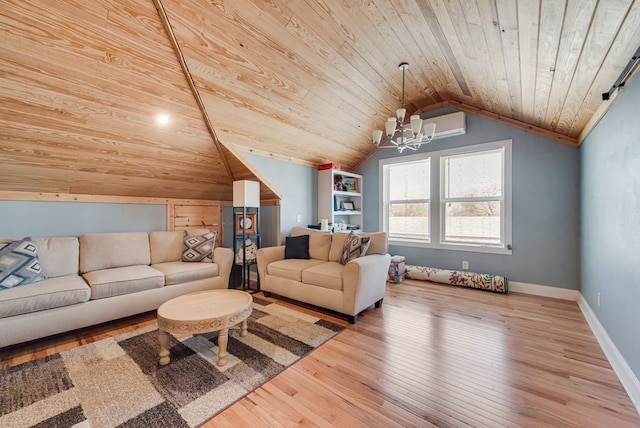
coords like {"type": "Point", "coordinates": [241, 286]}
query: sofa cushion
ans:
{"type": "Point", "coordinates": [59, 256]}
{"type": "Point", "coordinates": [319, 242]}
{"type": "Point", "coordinates": [113, 250]}
{"type": "Point", "coordinates": [291, 268]}
{"type": "Point", "coordinates": [179, 272]}
{"type": "Point", "coordinates": [296, 247]}
{"type": "Point", "coordinates": [198, 248]}
{"type": "Point", "coordinates": [124, 280]}
{"type": "Point", "coordinates": [378, 242]}
{"type": "Point", "coordinates": [337, 245]}
{"type": "Point", "coordinates": [166, 246]}
{"type": "Point", "coordinates": [19, 264]}
{"type": "Point", "coordinates": [327, 275]}
{"type": "Point", "coordinates": [48, 294]}
{"type": "Point", "coordinates": [355, 246]}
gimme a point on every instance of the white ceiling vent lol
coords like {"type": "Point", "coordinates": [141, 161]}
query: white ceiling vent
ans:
{"type": "Point", "coordinates": [448, 125]}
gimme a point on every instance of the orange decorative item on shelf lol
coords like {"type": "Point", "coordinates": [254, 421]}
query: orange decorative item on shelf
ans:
{"type": "Point", "coordinates": [329, 166]}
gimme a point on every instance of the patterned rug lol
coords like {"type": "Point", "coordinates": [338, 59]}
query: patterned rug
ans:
{"type": "Point", "coordinates": [117, 382]}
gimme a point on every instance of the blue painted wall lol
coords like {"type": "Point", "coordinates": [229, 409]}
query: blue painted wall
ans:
{"type": "Point", "coordinates": [41, 219]}
{"type": "Point", "coordinates": [545, 209]}
{"type": "Point", "coordinates": [298, 185]}
{"type": "Point", "coordinates": [611, 222]}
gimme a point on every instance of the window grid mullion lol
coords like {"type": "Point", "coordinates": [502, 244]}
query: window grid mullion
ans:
{"type": "Point", "coordinates": [407, 201]}
{"type": "Point", "coordinates": [474, 199]}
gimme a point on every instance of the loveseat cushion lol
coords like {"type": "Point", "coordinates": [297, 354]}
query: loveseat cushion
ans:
{"type": "Point", "coordinates": [179, 272]}
{"type": "Point", "coordinates": [113, 250]}
{"type": "Point", "coordinates": [291, 268]}
{"type": "Point", "coordinates": [327, 275]}
{"type": "Point", "coordinates": [377, 244]}
{"type": "Point", "coordinates": [59, 256]}
{"type": "Point", "coordinates": [124, 280]}
{"type": "Point", "coordinates": [166, 246]}
{"type": "Point", "coordinates": [319, 242]}
{"type": "Point", "coordinates": [48, 294]}
{"type": "Point", "coordinates": [337, 245]}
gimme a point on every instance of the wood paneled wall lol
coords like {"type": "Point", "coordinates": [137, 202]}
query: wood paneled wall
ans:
{"type": "Point", "coordinates": [182, 216]}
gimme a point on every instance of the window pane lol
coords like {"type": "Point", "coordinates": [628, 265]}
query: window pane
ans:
{"type": "Point", "coordinates": [474, 222]}
{"type": "Point", "coordinates": [409, 221]}
{"type": "Point", "coordinates": [409, 180]}
{"type": "Point", "coordinates": [473, 175]}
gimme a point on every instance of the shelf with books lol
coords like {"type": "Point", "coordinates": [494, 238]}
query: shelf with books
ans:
{"type": "Point", "coordinates": [340, 197]}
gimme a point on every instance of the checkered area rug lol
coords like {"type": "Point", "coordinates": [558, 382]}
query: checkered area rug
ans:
{"type": "Point", "coordinates": [117, 382]}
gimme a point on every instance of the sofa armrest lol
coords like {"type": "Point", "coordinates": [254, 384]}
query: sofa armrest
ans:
{"type": "Point", "coordinates": [224, 258]}
{"type": "Point", "coordinates": [364, 281]}
{"type": "Point", "coordinates": [268, 255]}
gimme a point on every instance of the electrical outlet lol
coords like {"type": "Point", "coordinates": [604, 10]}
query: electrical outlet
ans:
{"type": "Point", "coordinates": [465, 264]}
{"type": "Point", "coordinates": [598, 299]}
{"type": "Point", "coordinates": [299, 218]}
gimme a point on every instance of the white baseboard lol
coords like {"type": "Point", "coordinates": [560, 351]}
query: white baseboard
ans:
{"type": "Point", "coordinates": [544, 291]}
{"type": "Point", "coordinates": [627, 378]}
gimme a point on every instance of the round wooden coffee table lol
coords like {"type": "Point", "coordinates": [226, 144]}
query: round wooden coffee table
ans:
{"type": "Point", "coordinates": [204, 312]}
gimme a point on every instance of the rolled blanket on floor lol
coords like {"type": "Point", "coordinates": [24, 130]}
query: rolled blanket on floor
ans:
{"type": "Point", "coordinates": [482, 281]}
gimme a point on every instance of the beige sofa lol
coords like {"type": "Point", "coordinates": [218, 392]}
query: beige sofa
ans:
{"type": "Point", "coordinates": [321, 280]}
{"type": "Point", "coordinates": [102, 277]}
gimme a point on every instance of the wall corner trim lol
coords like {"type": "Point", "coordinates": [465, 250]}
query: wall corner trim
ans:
{"type": "Point", "coordinates": [627, 378]}
{"type": "Point", "coordinates": [544, 291]}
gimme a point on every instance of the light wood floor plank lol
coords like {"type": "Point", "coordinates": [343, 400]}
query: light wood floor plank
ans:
{"type": "Point", "coordinates": [433, 355]}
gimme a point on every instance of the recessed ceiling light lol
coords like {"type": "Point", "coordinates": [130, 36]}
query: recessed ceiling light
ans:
{"type": "Point", "coordinates": [162, 119]}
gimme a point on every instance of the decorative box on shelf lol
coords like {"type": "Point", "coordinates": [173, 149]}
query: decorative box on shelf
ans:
{"type": "Point", "coordinates": [329, 166]}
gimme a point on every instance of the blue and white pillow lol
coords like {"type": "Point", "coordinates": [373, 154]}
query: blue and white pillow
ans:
{"type": "Point", "coordinates": [19, 264]}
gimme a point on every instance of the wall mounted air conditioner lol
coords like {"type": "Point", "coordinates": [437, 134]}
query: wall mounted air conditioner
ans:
{"type": "Point", "coordinates": [448, 125]}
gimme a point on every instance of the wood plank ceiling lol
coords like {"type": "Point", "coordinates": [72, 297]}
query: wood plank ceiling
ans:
{"type": "Point", "coordinates": [81, 83]}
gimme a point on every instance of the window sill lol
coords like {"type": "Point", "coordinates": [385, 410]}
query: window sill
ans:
{"type": "Point", "coordinates": [451, 247]}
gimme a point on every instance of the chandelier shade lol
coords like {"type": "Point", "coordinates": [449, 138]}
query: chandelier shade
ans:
{"type": "Point", "coordinates": [398, 133]}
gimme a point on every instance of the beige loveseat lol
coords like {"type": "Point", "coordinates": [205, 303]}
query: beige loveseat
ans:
{"type": "Point", "coordinates": [102, 277]}
{"type": "Point", "coordinates": [321, 280]}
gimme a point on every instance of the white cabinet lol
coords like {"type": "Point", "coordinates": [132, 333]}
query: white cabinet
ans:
{"type": "Point", "coordinates": [340, 199]}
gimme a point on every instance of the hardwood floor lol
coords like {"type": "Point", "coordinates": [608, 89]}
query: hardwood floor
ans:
{"type": "Point", "coordinates": [433, 355]}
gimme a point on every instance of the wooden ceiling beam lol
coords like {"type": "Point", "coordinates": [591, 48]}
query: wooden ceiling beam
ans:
{"type": "Point", "coordinates": [187, 74]}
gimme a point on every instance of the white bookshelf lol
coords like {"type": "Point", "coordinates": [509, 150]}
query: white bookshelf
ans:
{"type": "Point", "coordinates": [334, 199]}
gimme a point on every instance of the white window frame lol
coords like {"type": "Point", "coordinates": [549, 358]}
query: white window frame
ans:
{"type": "Point", "coordinates": [385, 190]}
{"type": "Point", "coordinates": [435, 226]}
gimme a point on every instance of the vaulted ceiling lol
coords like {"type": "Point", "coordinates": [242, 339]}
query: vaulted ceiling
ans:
{"type": "Point", "coordinates": [82, 82]}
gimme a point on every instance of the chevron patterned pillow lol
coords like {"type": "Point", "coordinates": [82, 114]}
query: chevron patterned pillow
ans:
{"type": "Point", "coordinates": [198, 248]}
{"type": "Point", "coordinates": [19, 264]}
{"type": "Point", "coordinates": [355, 246]}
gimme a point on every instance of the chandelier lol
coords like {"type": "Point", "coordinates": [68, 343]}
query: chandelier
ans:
{"type": "Point", "coordinates": [401, 136]}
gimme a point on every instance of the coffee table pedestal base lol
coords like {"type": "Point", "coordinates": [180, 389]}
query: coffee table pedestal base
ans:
{"type": "Point", "coordinates": [223, 340]}
{"type": "Point", "coordinates": [204, 312]}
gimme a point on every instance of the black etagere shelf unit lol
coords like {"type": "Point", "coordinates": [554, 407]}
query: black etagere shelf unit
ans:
{"type": "Point", "coordinates": [246, 230]}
